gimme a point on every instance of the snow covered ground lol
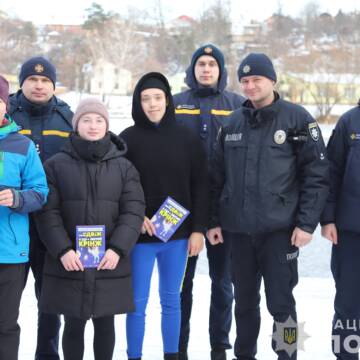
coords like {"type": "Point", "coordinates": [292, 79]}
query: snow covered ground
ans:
{"type": "Point", "coordinates": [314, 295]}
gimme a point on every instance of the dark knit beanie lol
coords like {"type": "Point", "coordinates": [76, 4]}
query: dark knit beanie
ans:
{"type": "Point", "coordinates": [257, 64]}
{"type": "Point", "coordinates": [153, 83]}
{"type": "Point", "coordinates": [4, 89]}
{"type": "Point", "coordinates": [37, 66]}
{"type": "Point", "coordinates": [210, 50]}
{"type": "Point", "coordinates": [90, 105]}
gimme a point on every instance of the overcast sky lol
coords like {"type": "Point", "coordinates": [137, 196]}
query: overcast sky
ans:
{"type": "Point", "coordinates": [73, 11]}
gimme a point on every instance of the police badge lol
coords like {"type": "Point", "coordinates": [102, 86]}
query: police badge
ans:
{"type": "Point", "coordinates": [279, 137]}
{"type": "Point", "coordinates": [246, 69]}
{"type": "Point", "coordinates": [314, 131]}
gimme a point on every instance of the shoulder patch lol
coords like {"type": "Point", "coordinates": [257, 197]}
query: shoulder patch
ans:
{"type": "Point", "coordinates": [314, 131]}
{"type": "Point", "coordinates": [355, 136]}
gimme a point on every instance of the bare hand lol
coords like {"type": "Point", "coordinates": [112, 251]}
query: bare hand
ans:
{"type": "Point", "coordinates": [329, 232]}
{"type": "Point", "coordinates": [214, 236]}
{"type": "Point", "coordinates": [196, 243]}
{"type": "Point", "coordinates": [148, 227]}
{"type": "Point", "coordinates": [300, 237]}
{"type": "Point", "coordinates": [6, 198]}
{"type": "Point", "coordinates": [71, 261]}
{"type": "Point", "coordinates": [109, 261]}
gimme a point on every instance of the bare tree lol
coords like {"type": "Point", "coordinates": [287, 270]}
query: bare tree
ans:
{"type": "Point", "coordinates": [18, 41]}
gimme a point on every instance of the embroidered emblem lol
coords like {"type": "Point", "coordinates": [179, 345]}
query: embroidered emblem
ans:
{"type": "Point", "coordinates": [246, 69]}
{"type": "Point", "coordinates": [280, 137]}
{"type": "Point", "coordinates": [233, 137]}
{"type": "Point", "coordinates": [39, 68]}
{"type": "Point", "coordinates": [314, 131]}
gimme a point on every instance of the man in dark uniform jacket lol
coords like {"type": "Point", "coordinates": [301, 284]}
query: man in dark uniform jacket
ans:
{"type": "Point", "coordinates": [269, 187]}
{"type": "Point", "coordinates": [341, 225]}
{"type": "Point", "coordinates": [203, 108]}
{"type": "Point", "coordinates": [46, 120]}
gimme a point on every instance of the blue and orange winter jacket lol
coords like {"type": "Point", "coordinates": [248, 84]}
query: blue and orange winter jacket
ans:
{"type": "Point", "coordinates": [22, 172]}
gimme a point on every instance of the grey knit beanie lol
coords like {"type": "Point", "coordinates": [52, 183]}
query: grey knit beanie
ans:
{"type": "Point", "coordinates": [90, 105]}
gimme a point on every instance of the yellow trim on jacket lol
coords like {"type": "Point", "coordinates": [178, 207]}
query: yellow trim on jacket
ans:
{"type": "Point", "coordinates": [56, 132]}
{"type": "Point", "coordinates": [188, 111]}
{"type": "Point", "coordinates": [197, 112]}
{"type": "Point", "coordinates": [25, 132]}
{"type": "Point", "coordinates": [221, 112]}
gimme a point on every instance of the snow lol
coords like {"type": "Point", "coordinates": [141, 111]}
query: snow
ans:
{"type": "Point", "coordinates": [314, 294]}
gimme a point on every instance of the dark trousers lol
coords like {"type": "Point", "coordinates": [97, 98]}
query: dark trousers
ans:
{"type": "Point", "coordinates": [73, 338]}
{"type": "Point", "coordinates": [48, 326]}
{"type": "Point", "coordinates": [221, 297]}
{"type": "Point", "coordinates": [345, 267]}
{"type": "Point", "coordinates": [11, 287]}
{"type": "Point", "coordinates": [271, 257]}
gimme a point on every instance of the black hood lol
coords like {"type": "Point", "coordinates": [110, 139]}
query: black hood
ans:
{"type": "Point", "coordinates": [138, 113]}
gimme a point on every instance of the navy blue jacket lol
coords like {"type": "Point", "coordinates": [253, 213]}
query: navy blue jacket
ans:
{"type": "Point", "coordinates": [270, 171]}
{"type": "Point", "coordinates": [47, 125]}
{"type": "Point", "coordinates": [204, 110]}
{"type": "Point", "coordinates": [343, 204]}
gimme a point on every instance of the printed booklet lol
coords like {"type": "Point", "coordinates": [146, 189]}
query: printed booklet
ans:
{"type": "Point", "coordinates": [90, 244]}
{"type": "Point", "coordinates": [168, 218]}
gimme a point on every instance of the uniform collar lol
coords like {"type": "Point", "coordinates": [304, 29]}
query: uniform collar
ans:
{"type": "Point", "coordinates": [36, 109]}
{"type": "Point", "coordinates": [256, 117]}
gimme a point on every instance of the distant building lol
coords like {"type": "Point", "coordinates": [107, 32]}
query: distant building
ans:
{"type": "Point", "coordinates": [181, 22]}
{"type": "Point", "coordinates": [329, 95]}
{"type": "Point", "coordinates": [308, 89]}
{"type": "Point", "coordinates": [105, 78]}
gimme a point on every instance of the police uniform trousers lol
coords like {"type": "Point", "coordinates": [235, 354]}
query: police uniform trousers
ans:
{"type": "Point", "coordinates": [345, 267]}
{"type": "Point", "coordinates": [220, 315]}
{"type": "Point", "coordinates": [268, 256]}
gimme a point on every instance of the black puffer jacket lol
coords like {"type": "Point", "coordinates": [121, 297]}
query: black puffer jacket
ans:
{"type": "Point", "coordinates": [171, 161]}
{"type": "Point", "coordinates": [270, 170]}
{"type": "Point", "coordinates": [103, 191]}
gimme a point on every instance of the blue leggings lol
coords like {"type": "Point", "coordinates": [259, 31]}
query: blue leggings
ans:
{"type": "Point", "coordinates": [171, 259]}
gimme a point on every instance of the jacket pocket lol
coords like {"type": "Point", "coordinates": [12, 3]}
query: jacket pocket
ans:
{"type": "Point", "coordinates": [279, 209]}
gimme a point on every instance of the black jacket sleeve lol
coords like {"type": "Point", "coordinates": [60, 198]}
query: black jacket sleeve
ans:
{"type": "Point", "coordinates": [217, 178]}
{"type": "Point", "coordinates": [49, 221]}
{"type": "Point", "coordinates": [337, 150]}
{"type": "Point", "coordinates": [313, 173]}
{"type": "Point", "coordinates": [132, 212]}
{"type": "Point", "coordinates": [199, 186]}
